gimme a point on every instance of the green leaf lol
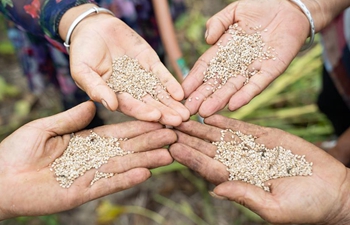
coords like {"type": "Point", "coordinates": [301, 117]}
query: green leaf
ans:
{"type": "Point", "coordinates": [22, 108]}
{"type": "Point", "coordinates": [7, 2]}
{"type": "Point", "coordinates": [6, 48]}
{"type": "Point", "coordinates": [175, 166]}
{"type": "Point", "coordinates": [7, 89]}
{"type": "Point", "coordinates": [107, 212]}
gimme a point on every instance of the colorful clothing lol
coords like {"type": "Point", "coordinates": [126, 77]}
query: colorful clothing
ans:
{"type": "Point", "coordinates": [336, 54]}
{"type": "Point", "coordinates": [334, 98]}
{"type": "Point", "coordinates": [35, 22]}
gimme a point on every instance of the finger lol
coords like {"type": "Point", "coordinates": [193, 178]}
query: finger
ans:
{"type": "Point", "coordinates": [209, 168]}
{"type": "Point", "coordinates": [93, 84]}
{"type": "Point", "coordinates": [222, 122]}
{"type": "Point", "coordinates": [132, 107]}
{"type": "Point", "coordinates": [199, 93]}
{"type": "Point", "coordinates": [69, 121]}
{"type": "Point", "coordinates": [122, 164]}
{"type": "Point", "coordinates": [129, 129]}
{"type": "Point", "coordinates": [270, 137]}
{"type": "Point", "coordinates": [248, 195]}
{"type": "Point", "coordinates": [199, 130]}
{"type": "Point", "coordinates": [118, 182]}
{"type": "Point", "coordinates": [219, 23]}
{"type": "Point", "coordinates": [219, 99]}
{"type": "Point", "coordinates": [196, 75]}
{"type": "Point", "coordinates": [198, 144]}
{"type": "Point", "coordinates": [151, 62]}
{"type": "Point", "coordinates": [255, 86]}
{"type": "Point", "coordinates": [178, 108]}
{"type": "Point", "coordinates": [168, 115]}
{"type": "Point", "coordinates": [151, 140]}
{"type": "Point", "coordinates": [168, 80]}
{"type": "Point", "coordinates": [150, 159]}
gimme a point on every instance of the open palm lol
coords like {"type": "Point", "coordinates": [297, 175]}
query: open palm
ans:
{"type": "Point", "coordinates": [91, 65]}
{"type": "Point", "coordinates": [320, 198]}
{"type": "Point", "coordinates": [28, 187]}
{"type": "Point", "coordinates": [283, 27]}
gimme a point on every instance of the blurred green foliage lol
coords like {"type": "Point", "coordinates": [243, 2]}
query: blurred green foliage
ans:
{"type": "Point", "coordinates": [6, 47]}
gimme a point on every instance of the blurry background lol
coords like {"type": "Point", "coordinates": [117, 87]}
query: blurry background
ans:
{"type": "Point", "coordinates": [174, 195]}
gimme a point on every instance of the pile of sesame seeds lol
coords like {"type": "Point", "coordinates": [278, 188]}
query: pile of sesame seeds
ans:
{"type": "Point", "coordinates": [253, 163]}
{"type": "Point", "coordinates": [234, 58]}
{"type": "Point", "coordinates": [84, 154]}
{"type": "Point", "coordinates": [129, 76]}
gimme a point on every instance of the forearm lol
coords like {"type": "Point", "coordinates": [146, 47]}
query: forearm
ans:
{"type": "Point", "coordinates": [324, 11]}
{"type": "Point", "coordinates": [168, 34]}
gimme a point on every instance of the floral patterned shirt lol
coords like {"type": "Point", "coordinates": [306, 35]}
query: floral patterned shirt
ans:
{"type": "Point", "coordinates": [39, 17]}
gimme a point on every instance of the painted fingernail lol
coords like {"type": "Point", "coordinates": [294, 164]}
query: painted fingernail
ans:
{"type": "Point", "coordinates": [217, 196]}
{"type": "Point", "coordinates": [104, 103]}
{"type": "Point", "coordinates": [206, 34]}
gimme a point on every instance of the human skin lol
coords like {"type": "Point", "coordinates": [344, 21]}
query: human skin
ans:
{"type": "Point", "coordinates": [284, 27]}
{"type": "Point", "coordinates": [99, 39]}
{"type": "Point", "coordinates": [341, 150]}
{"type": "Point", "coordinates": [322, 198]}
{"type": "Point", "coordinates": [29, 188]}
{"type": "Point", "coordinates": [168, 35]}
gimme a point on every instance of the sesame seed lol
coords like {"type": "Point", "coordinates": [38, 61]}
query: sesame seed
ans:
{"type": "Point", "coordinates": [129, 76]}
{"type": "Point", "coordinates": [254, 163]}
{"type": "Point", "coordinates": [234, 58]}
{"type": "Point", "coordinates": [84, 154]}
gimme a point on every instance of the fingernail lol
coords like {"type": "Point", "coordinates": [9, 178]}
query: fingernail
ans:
{"type": "Point", "coordinates": [217, 196]}
{"type": "Point", "coordinates": [206, 34]}
{"type": "Point", "coordinates": [104, 103]}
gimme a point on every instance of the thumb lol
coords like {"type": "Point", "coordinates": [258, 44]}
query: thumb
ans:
{"type": "Point", "coordinates": [247, 195]}
{"type": "Point", "coordinates": [219, 23]}
{"type": "Point", "coordinates": [95, 87]}
{"type": "Point", "coordinates": [69, 121]}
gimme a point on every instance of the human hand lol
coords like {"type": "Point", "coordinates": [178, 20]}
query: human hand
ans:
{"type": "Point", "coordinates": [322, 198]}
{"type": "Point", "coordinates": [95, 43]}
{"type": "Point", "coordinates": [341, 150]}
{"type": "Point", "coordinates": [284, 28]}
{"type": "Point", "coordinates": [29, 188]}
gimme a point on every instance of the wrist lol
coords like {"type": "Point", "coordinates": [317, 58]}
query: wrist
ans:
{"type": "Point", "coordinates": [343, 216]}
{"type": "Point", "coordinates": [3, 214]}
{"type": "Point", "coordinates": [70, 16]}
{"type": "Point", "coordinates": [324, 11]}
